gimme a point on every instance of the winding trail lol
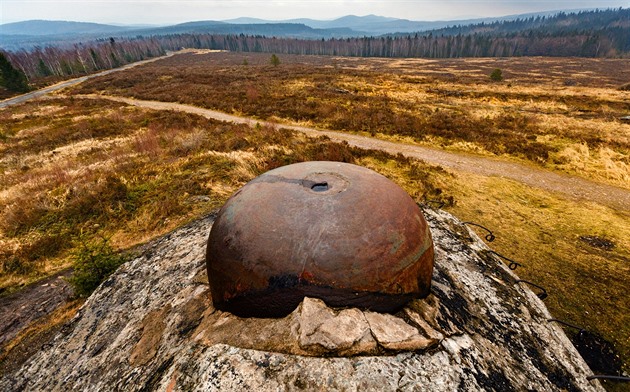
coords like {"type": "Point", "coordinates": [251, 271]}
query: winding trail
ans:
{"type": "Point", "coordinates": [574, 187]}
{"type": "Point", "coordinates": [73, 82]}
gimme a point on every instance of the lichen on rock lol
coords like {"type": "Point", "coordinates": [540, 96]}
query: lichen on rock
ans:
{"type": "Point", "coordinates": [151, 326]}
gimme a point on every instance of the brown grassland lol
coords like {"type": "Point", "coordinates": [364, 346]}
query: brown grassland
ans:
{"type": "Point", "coordinates": [72, 166]}
{"type": "Point", "coordinates": [562, 114]}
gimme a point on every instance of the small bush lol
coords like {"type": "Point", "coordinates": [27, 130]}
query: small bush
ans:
{"type": "Point", "coordinates": [15, 265]}
{"type": "Point", "coordinates": [275, 61]}
{"type": "Point", "coordinates": [496, 75]}
{"type": "Point", "coordinates": [94, 262]}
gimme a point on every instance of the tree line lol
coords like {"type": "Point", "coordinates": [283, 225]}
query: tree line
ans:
{"type": "Point", "coordinates": [79, 59]}
{"type": "Point", "coordinates": [613, 43]}
{"type": "Point", "coordinates": [602, 34]}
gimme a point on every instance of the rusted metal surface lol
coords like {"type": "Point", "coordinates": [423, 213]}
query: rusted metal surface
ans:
{"type": "Point", "coordinates": [329, 230]}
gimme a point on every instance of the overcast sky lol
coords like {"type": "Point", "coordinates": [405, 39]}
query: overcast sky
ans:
{"type": "Point", "coordinates": [170, 11]}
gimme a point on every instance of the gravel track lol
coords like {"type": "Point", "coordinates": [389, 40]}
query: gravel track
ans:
{"type": "Point", "coordinates": [576, 188]}
{"type": "Point", "coordinates": [72, 82]}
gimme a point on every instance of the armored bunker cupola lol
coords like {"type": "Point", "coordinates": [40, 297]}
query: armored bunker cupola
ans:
{"type": "Point", "coordinates": [329, 230]}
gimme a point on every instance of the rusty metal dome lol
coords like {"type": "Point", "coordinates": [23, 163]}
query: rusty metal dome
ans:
{"type": "Point", "coordinates": [330, 230]}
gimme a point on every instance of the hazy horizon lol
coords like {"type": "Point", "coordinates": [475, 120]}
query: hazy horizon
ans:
{"type": "Point", "coordinates": [149, 12]}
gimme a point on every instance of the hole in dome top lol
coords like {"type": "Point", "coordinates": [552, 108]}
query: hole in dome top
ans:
{"type": "Point", "coordinates": [320, 187]}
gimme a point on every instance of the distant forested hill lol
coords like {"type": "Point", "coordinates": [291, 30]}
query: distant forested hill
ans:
{"type": "Point", "coordinates": [560, 23]}
{"type": "Point", "coordinates": [292, 30]}
{"type": "Point", "coordinates": [57, 27]}
{"type": "Point", "coordinates": [582, 34]}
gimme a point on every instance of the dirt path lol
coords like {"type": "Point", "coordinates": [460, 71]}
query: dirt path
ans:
{"type": "Point", "coordinates": [72, 82]}
{"type": "Point", "coordinates": [571, 186]}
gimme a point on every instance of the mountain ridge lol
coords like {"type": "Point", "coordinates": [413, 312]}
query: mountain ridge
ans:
{"type": "Point", "coordinates": [39, 33]}
{"type": "Point", "coordinates": [370, 23]}
{"type": "Point", "coordinates": [40, 27]}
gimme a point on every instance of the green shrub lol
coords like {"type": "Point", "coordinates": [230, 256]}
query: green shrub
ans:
{"type": "Point", "coordinates": [15, 265]}
{"type": "Point", "coordinates": [275, 61]}
{"type": "Point", "coordinates": [94, 261]}
{"type": "Point", "coordinates": [496, 75]}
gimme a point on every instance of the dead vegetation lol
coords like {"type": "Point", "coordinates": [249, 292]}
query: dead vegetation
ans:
{"type": "Point", "coordinates": [534, 114]}
{"type": "Point", "coordinates": [69, 169]}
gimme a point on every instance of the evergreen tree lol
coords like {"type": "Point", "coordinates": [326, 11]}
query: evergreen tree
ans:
{"type": "Point", "coordinates": [11, 78]}
{"type": "Point", "coordinates": [43, 69]}
{"type": "Point", "coordinates": [275, 61]}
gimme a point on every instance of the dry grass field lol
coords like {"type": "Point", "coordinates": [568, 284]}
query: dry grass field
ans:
{"type": "Point", "coordinates": [561, 114]}
{"type": "Point", "coordinates": [73, 167]}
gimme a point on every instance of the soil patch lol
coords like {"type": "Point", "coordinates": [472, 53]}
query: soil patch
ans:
{"type": "Point", "coordinates": [597, 242]}
{"type": "Point", "coordinates": [20, 309]}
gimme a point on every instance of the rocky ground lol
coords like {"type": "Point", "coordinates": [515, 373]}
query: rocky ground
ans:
{"type": "Point", "coordinates": [20, 309]}
{"type": "Point", "coordinates": [151, 326]}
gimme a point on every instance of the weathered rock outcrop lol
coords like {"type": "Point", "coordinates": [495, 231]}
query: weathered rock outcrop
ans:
{"type": "Point", "coordinates": [151, 326]}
